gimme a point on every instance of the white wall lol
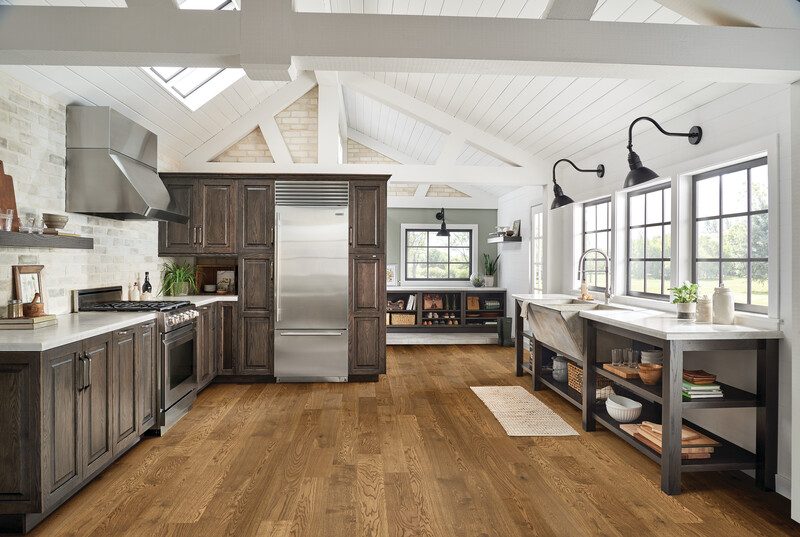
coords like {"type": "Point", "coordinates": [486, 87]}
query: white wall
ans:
{"type": "Point", "coordinates": [752, 116]}
{"type": "Point", "coordinates": [33, 151]}
{"type": "Point", "coordinates": [515, 257]}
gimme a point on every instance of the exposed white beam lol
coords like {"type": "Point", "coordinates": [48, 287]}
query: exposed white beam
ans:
{"type": "Point", "coordinates": [738, 12]}
{"type": "Point", "coordinates": [380, 147]}
{"type": "Point", "coordinates": [440, 120]}
{"type": "Point", "coordinates": [260, 115]}
{"type": "Point", "coordinates": [275, 140]}
{"type": "Point", "coordinates": [569, 9]}
{"type": "Point", "coordinates": [270, 40]}
{"type": "Point", "coordinates": [453, 147]}
{"type": "Point", "coordinates": [411, 202]}
{"type": "Point", "coordinates": [449, 175]}
{"type": "Point", "coordinates": [328, 142]}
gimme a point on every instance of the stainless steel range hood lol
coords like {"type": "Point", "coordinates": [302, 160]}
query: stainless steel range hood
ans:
{"type": "Point", "coordinates": [112, 168]}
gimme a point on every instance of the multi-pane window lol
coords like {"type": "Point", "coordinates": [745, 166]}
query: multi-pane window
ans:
{"type": "Point", "coordinates": [596, 234]}
{"type": "Point", "coordinates": [649, 241]}
{"type": "Point", "coordinates": [731, 233]}
{"type": "Point", "coordinates": [537, 252]}
{"type": "Point", "coordinates": [431, 257]}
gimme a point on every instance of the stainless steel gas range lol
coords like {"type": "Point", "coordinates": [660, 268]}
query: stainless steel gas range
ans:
{"type": "Point", "coordinates": [177, 361]}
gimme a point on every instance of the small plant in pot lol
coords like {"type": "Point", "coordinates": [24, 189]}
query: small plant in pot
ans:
{"type": "Point", "coordinates": [685, 299]}
{"type": "Point", "coordinates": [178, 279]}
{"type": "Point", "coordinates": [490, 268]}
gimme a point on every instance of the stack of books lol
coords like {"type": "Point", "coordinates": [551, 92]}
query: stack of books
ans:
{"type": "Point", "coordinates": [701, 391]}
{"type": "Point", "coordinates": [28, 323]}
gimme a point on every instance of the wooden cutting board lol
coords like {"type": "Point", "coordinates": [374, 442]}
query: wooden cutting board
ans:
{"type": "Point", "coordinates": [689, 437]}
{"type": "Point", "coordinates": [657, 449]}
{"type": "Point", "coordinates": [7, 198]}
{"type": "Point", "coordinates": [622, 371]}
{"type": "Point", "coordinates": [657, 441]}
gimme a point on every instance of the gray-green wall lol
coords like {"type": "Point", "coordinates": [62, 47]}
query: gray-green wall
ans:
{"type": "Point", "coordinates": [486, 219]}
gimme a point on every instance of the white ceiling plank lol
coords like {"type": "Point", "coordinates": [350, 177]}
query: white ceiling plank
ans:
{"type": "Point", "coordinates": [453, 147]}
{"type": "Point", "coordinates": [570, 9]}
{"type": "Point", "coordinates": [465, 105]}
{"type": "Point", "coordinates": [465, 87]}
{"type": "Point", "coordinates": [382, 148]}
{"type": "Point", "coordinates": [530, 110]}
{"type": "Point", "coordinates": [512, 101]}
{"type": "Point", "coordinates": [640, 11]}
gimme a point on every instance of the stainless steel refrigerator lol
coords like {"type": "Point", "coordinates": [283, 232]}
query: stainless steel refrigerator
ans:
{"type": "Point", "coordinates": [311, 283]}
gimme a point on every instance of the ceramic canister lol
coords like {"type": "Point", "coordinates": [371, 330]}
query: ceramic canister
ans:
{"type": "Point", "coordinates": [723, 305]}
{"type": "Point", "coordinates": [560, 373]}
{"type": "Point", "coordinates": [705, 310]}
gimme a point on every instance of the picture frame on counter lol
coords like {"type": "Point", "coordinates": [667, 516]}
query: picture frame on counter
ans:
{"type": "Point", "coordinates": [391, 274]}
{"type": "Point", "coordinates": [29, 280]}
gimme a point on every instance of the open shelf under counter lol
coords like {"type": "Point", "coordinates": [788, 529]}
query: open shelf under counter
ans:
{"type": "Point", "coordinates": [562, 388]}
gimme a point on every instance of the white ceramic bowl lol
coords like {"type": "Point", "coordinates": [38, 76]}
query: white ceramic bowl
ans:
{"type": "Point", "coordinates": [622, 409]}
{"type": "Point", "coordinates": [209, 288]}
{"type": "Point", "coordinates": [652, 357]}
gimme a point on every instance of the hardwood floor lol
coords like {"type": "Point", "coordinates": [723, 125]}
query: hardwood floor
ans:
{"type": "Point", "coordinates": [415, 454]}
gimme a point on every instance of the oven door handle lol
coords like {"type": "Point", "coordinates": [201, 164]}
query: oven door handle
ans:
{"type": "Point", "coordinates": [320, 333]}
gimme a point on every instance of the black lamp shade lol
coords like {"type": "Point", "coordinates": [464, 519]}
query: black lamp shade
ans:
{"type": "Point", "coordinates": [639, 174]}
{"type": "Point", "coordinates": [559, 199]}
{"type": "Point", "coordinates": [443, 231]}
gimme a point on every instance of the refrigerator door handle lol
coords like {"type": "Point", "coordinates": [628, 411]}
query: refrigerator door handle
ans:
{"type": "Point", "coordinates": [309, 333]}
{"type": "Point", "coordinates": [276, 267]}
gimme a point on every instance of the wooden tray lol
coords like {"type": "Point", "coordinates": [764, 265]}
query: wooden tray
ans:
{"type": "Point", "coordinates": [622, 371]}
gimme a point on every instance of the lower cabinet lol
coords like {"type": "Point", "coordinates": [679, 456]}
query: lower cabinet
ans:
{"type": "Point", "coordinates": [227, 337]}
{"type": "Point", "coordinates": [98, 396]}
{"type": "Point", "coordinates": [206, 345]}
{"type": "Point", "coordinates": [148, 375]}
{"type": "Point", "coordinates": [367, 345]}
{"type": "Point", "coordinates": [125, 400]}
{"type": "Point", "coordinates": [255, 345]}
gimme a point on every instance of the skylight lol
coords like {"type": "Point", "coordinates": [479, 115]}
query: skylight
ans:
{"type": "Point", "coordinates": [195, 86]}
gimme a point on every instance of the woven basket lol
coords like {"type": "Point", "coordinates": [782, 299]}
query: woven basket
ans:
{"type": "Point", "coordinates": [405, 319]}
{"type": "Point", "coordinates": [575, 378]}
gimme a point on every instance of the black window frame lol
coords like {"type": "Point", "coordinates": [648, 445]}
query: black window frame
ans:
{"type": "Point", "coordinates": [666, 257]}
{"type": "Point", "coordinates": [428, 247]}
{"type": "Point", "coordinates": [747, 165]}
{"type": "Point", "coordinates": [595, 258]}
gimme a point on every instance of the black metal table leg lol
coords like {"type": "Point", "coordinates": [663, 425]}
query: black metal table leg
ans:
{"type": "Point", "coordinates": [767, 414]}
{"type": "Point", "coordinates": [590, 378]}
{"type": "Point", "coordinates": [537, 366]}
{"type": "Point", "coordinates": [672, 418]}
{"type": "Point", "coordinates": [519, 343]}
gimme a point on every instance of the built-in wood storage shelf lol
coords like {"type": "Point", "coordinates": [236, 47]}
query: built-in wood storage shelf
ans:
{"type": "Point", "coordinates": [506, 238]}
{"type": "Point", "coordinates": [33, 240]}
{"type": "Point", "coordinates": [443, 310]}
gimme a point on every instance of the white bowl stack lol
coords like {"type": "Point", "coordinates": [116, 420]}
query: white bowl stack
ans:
{"type": "Point", "coordinates": [622, 409]}
{"type": "Point", "coordinates": [652, 357]}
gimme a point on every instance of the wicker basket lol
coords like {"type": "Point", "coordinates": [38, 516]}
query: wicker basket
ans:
{"type": "Point", "coordinates": [405, 319]}
{"type": "Point", "coordinates": [575, 378]}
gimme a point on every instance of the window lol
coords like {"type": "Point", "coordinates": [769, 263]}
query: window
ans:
{"type": "Point", "coordinates": [195, 86]}
{"type": "Point", "coordinates": [430, 257]}
{"type": "Point", "coordinates": [537, 250]}
{"type": "Point", "coordinates": [649, 241]}
{"type": "Point", "coordinates": [731, 233]}
{"type": "Point", "coordinates": [596, 234]}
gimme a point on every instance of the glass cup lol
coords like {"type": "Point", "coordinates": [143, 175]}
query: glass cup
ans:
{"type": "Point", "coordinates": [6, 219]}
{"type": "Point", "coordinates": [616, 357]}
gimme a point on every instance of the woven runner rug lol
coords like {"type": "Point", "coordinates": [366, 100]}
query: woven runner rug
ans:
{"type": "Point", "coordinates": [521, 413]}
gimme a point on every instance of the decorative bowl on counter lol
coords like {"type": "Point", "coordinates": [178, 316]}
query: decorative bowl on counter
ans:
{"type": "Point", "coordinates": [650, 373]}
{"type": "Point", "coordinates": [55, 221]}
{"type": "Point", "coordinates": [622, 409]}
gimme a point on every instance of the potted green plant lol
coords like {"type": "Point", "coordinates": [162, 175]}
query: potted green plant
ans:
{"type": "Point", "coordinates": [685, 299]}
{"type": "Point", "coordinates": [178, 279]}
{"type": "Point", "coordinates": [490, 268]}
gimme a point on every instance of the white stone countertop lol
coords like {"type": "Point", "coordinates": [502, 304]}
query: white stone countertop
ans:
{"type": "Point", "coordinates": [74, 327]}
{"type": "Point", "coordinates": [659, 324]}
{"type": "Point", "coordinates": [468, 288]}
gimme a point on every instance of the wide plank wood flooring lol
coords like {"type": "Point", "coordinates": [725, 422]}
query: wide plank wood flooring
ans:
{"type": "Point", "coordinates": [416, 454]}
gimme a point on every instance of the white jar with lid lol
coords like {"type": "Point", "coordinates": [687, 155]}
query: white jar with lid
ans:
{"type": "Point", "coordinates": [705, 310]}
{"type": "Point", "coordinates": [723, 305]}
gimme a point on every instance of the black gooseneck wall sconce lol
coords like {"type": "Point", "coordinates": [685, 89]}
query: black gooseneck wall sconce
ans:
{"type": "Point", "coordinates": [443, 231]}
{"type": "Point", "coordinates": [640, 174]}
{"type": "Point", "coordinates": [559, 199]}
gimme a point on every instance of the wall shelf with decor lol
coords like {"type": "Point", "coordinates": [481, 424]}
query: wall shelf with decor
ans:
{"type": "Point", "coordinates": [445, 310]}
{"type": "Point", "coordinates": [505, 238]}
{"type": "Point", "coordinates": [14, 239]}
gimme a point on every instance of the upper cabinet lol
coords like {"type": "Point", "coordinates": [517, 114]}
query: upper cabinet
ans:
{"type": "Point", "coordinates": [368, 217]}
{"type": "Point", "coordinates": [210, 205]}
{"type": "Point", "coordinates": [256, 203]}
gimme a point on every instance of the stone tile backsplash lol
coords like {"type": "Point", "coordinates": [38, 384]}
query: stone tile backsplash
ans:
{"type": "Point", "coordinates": [33, 150]}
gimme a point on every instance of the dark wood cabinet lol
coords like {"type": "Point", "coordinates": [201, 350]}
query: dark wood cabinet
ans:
{"type": "Point", "coordinates": [368, 285]}
{"type": "Point", "coordinates": [206, 345]}
{"type": "Point", "coordinates": [210, 205]}
{"type": "Point", "coordinates": [367, 345]}
{"type": "Point", "coordinates": [174, 237]}
{"type": "Point", "coordinates": [148, 375]}
{"type": "Point", "coordinates": [227, 336]}
{"type": "Point", "coordinates": [255, 349]}
{"type": "Point", "coordinates": [97, 396]}
{"type": "Point", "coordinates": [125, 400]}
{"type": "Point", "coordinates": [368, 217]}
{"type": "Point", "coordinates": [255, 289]}
{"type": "Point", "coordinates": [257, 209]}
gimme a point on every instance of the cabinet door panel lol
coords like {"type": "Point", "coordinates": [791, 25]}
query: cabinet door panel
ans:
{"type": "Point", "coordinates": [368, 217]}
{"type": "Point", "coordinates": [19, 429]}
{"type": "Point", "coordinates": [206, 346]}
{"type": "Point", "coordinates": [367, 345]}
{"type": "Point", "coordinates": [148, 350]}
{"type": "Point", "coordinates": [256, 346]}
{"type": "Point", "coordinates": [173, 237]}
{"type": "Point", "coordinates": [63, 383]}
{"type": "Point", "coordinates": [256, 221]}
{"type": "Point", "coordinates": [255, 278]}
{"type": "Point", "coordinates": [227, 337]}
{"type": "Point", "coordinates": [216, 233]}
{"type": "Point", "coordinates": [125, 417]}
{"type": "Point", "coordinates": [97, 419]}
{"type": "Point", "coordinates": [368, 285]}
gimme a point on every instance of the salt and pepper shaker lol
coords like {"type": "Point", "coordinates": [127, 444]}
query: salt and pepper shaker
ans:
{"type": "Point", "coordinates": [723, 305]}
{"type": "Point", "coordinates": [704, 310]}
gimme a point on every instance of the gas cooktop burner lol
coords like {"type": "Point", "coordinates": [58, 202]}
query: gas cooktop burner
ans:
{"type": "Point", "coordinates": [152, 305]}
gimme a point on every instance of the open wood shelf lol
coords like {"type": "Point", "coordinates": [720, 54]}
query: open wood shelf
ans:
{"type": "Point", "coordinates": [479, 324]}
{"type": "Point", "coordinates": [505, 238]}
{"type": "Point", "coordinates": [562, 388]}
{"type": "Point", "coordinates": [33, 240]}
